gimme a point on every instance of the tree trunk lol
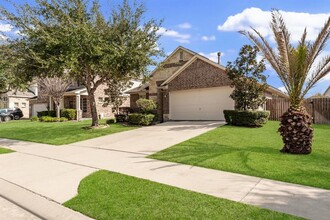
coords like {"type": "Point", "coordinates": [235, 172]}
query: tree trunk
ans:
{"type": "Point", "coordinates": [58, 112]}
{"type": "Point", "coordinates": [92, 105]}
{"type": "Point", "coordinates": [296, 131]}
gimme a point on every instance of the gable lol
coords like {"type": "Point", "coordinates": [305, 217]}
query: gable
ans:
{"type": "Point", "coordinates": [169, 66]}
{"type": "Point", "coordinates": [199, 74]}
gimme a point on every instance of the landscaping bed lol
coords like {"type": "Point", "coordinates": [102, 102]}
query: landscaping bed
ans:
{"type": "Point", "coordinates": [255, 152]}
{"type": "Point", "coordinates": [57, 133]}
{"type": "Point", "coordinates": [108, 195]}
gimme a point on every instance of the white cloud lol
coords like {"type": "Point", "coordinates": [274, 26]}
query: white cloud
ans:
{"type": "Point", "coordinates": [208, 38]}
{"type": "Point", "coordinates": [182, 38]}
{"type": "Point", "coordinates": [212, 56]}
{"type": "Point", "coordinates": [260, 20]}
{"type": "Point", "coordinates": [2, 37]}
{"type": "Point", "coordinates": [283, 89]}
{"type": "Point", "coordinates": [184, 25]}
{"type": "Point", "coordinates": [5, 27]}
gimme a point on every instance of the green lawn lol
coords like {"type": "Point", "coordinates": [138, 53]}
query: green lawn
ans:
{"type": "Point", "coordinates": [56, 133]}
{"type": "Point", "coordinates": [5, 151]}
{"type": "Point", "coordinates": [255, 152]}
{"type": "Point", "coordinates": [107, 195]}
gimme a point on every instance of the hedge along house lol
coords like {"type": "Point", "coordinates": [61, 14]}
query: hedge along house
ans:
{"type": "Point", "coordinates": [189, 86]}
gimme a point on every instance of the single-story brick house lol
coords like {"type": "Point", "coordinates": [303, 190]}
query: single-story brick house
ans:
{"type": "Point", "coordinates": [189, 86]}
{"type": "Point", "coordinates": [76, 97]}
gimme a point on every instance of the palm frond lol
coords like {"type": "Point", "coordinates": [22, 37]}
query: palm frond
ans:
{"type": "Point", "coordinates": [318, 45]}
{"type": "Point", "coordinates": [268, 54]}
{"type": "Point", "coordinates": [282, 38]}
{"type": "Point", "coordinates": [322, 69]}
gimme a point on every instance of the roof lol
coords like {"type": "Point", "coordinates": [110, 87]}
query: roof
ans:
{"type": "Point", "coordinates": [78, 91]}
{"type": "Point", "coordinates": [327, 91]}
{"type": "Point", "coordinates": [197, 56]}
{"type": "Point", "coordinates": [25, 94]}
{"type": "Point", "coordinates": [272, 89]}
{"type": "Point", "coordinates": [141, 88]}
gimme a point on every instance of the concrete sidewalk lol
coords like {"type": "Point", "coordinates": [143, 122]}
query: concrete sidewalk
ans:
{"type": "Point", "coordinates": [82, 158]}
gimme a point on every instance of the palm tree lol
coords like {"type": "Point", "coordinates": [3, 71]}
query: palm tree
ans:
{"type": "Point", "coordinates": [297, 68]}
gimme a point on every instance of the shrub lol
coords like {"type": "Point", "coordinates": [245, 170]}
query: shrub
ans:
{"type": "Point", "coordinates": [121, 118]}
{"type": "Point", "coordinates": [111, 121]}
{"type": "Point", "coordinates": [63, 119]}
{"type": "Point", "coordinates": [140, 119]}
{"type": "Point", "coordinates": [34, 118]}
{"type": "Point", "coordinates": [146, 106]}
{"type": "Point", "coordinates": [246, 118]}
{"type": "Point", "coordinates": [46, 113]}
{"type": "Point", "coordinates": [70, 114]}
{"type": "Point", "coordinates": [52, 119]}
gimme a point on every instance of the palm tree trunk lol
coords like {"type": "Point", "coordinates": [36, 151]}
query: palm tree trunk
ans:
{"type": "Point", "coordinates": [296, 131]}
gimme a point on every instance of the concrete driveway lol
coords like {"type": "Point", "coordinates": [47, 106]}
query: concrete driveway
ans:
{"type": "Point", "coordinates": [149, 140]}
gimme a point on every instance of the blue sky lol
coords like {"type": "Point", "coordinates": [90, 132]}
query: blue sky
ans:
{"type": "Point", "coordinates": [209, 26]}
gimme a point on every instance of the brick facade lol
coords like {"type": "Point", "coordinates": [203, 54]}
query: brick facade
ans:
{"type": "Point", "coordinates": [199, 75]}
{"type": "Point", "coordinates": [133, 99]}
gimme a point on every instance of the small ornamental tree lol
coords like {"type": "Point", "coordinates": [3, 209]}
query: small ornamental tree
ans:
{"type": "Point", "coordinates": [247, 78]}
{"type": "Point", "coordinates": [115, 92]}
{"type": "Point", "coordinates": [55, 87]}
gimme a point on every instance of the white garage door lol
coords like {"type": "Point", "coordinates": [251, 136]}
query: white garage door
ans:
{"type": "Point", "coordinates": [38, 108]}
{"type": "Point", "coordinates": [200, 104]}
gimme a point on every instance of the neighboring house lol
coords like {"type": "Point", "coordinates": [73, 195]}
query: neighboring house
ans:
{"type": "Point", "coordinates": [188, 86]}
{"type": "Point", "coordinates": [17, 99]}
{"type": "Point", "coordinates": [76, 97]}
{"type": "Point", "coordinates": [327, 92]}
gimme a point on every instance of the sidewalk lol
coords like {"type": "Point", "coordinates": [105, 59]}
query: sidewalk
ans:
{"type": "Point", "coordinates": [84, 157]}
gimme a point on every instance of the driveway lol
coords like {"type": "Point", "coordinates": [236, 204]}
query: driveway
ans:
{"type": "Point", "coordinates": [149, 140]}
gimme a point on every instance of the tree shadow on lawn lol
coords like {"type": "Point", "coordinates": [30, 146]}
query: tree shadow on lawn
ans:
{"type": "Point", "coordinates": [265, 162]}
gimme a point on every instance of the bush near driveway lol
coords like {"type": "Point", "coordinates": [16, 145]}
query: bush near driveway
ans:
{"type": "Point", "coordinates": [141, 119]}
{"type": "Point", "coordinates": [246, 118]}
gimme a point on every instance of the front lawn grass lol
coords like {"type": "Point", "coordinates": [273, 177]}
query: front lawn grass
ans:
{"type": "Point", "coordinates": [5, 151]}
{"type": "Point", "coordinates": [56, 133]}
{"type": "Point", "coordinates": [255, 152]}
{"type": "Point", "coordinates": [107, 195]}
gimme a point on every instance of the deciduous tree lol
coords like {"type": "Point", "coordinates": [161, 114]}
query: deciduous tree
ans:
{"type": "Point", "coordinates": [74, 36]}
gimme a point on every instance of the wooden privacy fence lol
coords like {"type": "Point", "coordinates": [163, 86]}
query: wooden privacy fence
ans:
{"type": "Point", "coordinates": [319, 108]}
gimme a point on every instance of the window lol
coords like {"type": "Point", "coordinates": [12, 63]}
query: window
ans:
{"type": "Point", "coordinates": [84, 104]}
{"type": "Point", "coordinates": [100, 99]}
{"type": "Point", "coordinates": [181, 56]}
{"type": "Point", "coordinates": [23, 105]}
{"type": "Point", "coordinates": [16, 104]}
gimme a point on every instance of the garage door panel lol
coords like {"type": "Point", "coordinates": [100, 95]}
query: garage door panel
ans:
{"type": "Point", "coordinates": [200, 104]}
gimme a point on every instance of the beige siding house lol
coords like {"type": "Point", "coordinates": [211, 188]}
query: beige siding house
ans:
{"type": "Point", "coordinates": [188, 86]}
{"type": "Point", "coordinates": [17, 99]}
